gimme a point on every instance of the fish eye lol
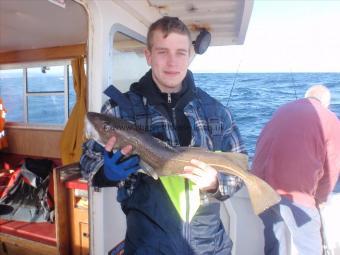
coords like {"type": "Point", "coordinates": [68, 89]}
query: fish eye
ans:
{"type": "Point", "coordinates": [107, 127]}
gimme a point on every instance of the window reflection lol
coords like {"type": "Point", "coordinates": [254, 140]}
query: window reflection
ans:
{"type": "Point", "coordinates": [128, 63]}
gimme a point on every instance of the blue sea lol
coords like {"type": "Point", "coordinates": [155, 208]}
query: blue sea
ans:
{"type": "Point", "coordinates": [251, 97]}
{"type": "Point", "coordinates": [41, 109]}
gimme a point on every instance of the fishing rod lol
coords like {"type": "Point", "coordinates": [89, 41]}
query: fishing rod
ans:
{"type": "Point", "coordinates": [232, 87]}
{"type": "Point", "coordinates": [293, 81]}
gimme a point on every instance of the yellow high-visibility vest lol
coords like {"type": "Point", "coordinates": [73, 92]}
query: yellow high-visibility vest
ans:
{"type": "Point", "coordinates": [175, 187]}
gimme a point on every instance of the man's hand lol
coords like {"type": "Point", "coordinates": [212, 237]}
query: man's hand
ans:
{"type": "Point", "coordinates": [119, 165]}
{"type": "Point", "coordinates": [203, 175]}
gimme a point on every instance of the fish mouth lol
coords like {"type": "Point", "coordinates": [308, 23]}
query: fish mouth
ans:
{"type": "Point", "coordinates": [91, 132]}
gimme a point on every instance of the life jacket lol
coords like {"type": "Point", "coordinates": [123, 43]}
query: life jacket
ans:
{"type": "Point", "coordinates": [29, 192]}
{"type": "Point", "coordinates": [3, 138]}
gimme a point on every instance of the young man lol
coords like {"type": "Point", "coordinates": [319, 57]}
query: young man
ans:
{"type": "Point", "coordinates": [297, 153]}
{"type": "Point", "coordinates": [163, 216]}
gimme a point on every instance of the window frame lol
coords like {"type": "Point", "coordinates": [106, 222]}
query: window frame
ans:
{"type": "Point", "coordinates": [118, 28]}
{"type": "Point", "coordinates": [24, 66]}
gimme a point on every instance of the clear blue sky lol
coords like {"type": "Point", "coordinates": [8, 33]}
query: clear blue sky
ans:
{"type": "Point", "coordinates": [283, 36]}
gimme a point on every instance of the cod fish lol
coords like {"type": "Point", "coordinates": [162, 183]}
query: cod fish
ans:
{"type": "Point", "coordinates": [160, 159]}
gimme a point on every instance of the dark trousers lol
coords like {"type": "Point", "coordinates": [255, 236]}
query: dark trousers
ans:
{"type": "Point", "coordinates": [292, 229]}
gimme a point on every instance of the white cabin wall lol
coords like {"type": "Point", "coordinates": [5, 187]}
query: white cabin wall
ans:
{"type": "Point", "coordinates": [105, 213]}
{"type": "Point", "coordinates": [245, 228]}
{"type": "Point", "coordinates": [103, 15]}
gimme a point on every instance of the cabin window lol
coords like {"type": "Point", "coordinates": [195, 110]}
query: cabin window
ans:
{"type": "Point", "coordinates": [38, 94]}
{"type": "Point", "coordinates": [128, 61]}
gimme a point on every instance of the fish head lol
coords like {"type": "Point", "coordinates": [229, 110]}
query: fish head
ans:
{"type": "Point", "coordinates": [99, 127]}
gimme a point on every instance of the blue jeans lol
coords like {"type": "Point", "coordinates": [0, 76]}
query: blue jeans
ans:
{"type": "Point", "coordinates": [292, 229]}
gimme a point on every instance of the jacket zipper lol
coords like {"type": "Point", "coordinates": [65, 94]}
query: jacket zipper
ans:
{"type": "Point", "coordinates": [172, 111]}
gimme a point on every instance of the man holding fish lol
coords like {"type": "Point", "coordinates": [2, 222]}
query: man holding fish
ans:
{"type": "Point", "coordinates": [176, 214]}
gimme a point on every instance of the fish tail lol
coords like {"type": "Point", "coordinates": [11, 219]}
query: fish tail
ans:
{"type": "Point", "coordinates": [261, 194]}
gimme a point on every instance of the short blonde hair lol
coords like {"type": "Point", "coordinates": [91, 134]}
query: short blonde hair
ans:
{"type": "Point", "coordinates": [167, 25]}
{"type": "Point", "coordinates": [321, 93]}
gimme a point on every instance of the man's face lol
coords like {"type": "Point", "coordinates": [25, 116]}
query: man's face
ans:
{"type": "Point", "coordinates": [169, 60]}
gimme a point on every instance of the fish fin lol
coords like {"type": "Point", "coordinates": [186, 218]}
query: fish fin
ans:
{"type": "Point", "coordinates": [148, 169]}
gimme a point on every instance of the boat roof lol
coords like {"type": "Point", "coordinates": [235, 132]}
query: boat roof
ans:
{"type": "Point", "coordinates": [226, 20]}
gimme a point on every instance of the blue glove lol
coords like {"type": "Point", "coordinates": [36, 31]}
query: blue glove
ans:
{"type": "Point", "coordinates": [116, 168]}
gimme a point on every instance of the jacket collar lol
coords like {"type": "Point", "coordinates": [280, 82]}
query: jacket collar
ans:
{"type": "Point", "coordinates": [146, 87]}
